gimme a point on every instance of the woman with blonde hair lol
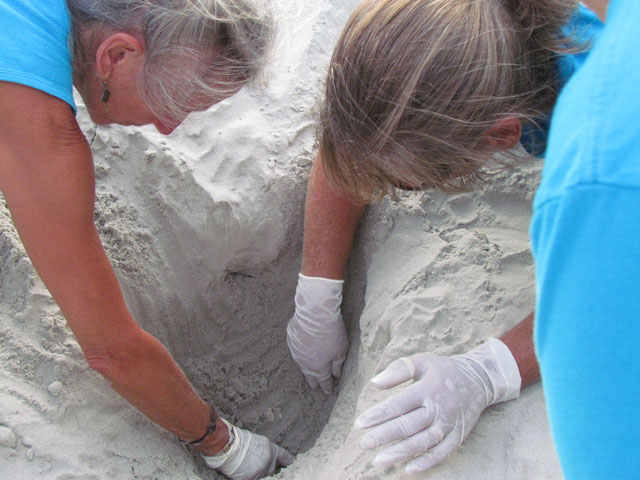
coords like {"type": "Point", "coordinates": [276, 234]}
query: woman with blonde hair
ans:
{"type": "Point", "coordinates": [421, 94]}
{"type": "Point", "coordinates": [134, 62]}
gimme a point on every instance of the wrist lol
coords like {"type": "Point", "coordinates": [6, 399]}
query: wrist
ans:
{"type": "Point", "coordinates": [500, 367]}
{"type": "Point", "coordinates": [318, 297]}
{"type": "Point", "coordinates": [228, 452]}
{"type": "Point", "coordinates": [214, 443]}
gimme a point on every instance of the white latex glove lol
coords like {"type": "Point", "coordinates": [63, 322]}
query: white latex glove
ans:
{"type": "Point", "coordinates": [432, 416]}
{"type": "Point", "coordinates": [250, 456]}
{"type": "Point", "coordinates": [316, 334]}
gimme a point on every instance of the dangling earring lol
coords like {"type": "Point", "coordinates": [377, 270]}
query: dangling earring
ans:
{"type": "Point", "coordinates": [105, 93]}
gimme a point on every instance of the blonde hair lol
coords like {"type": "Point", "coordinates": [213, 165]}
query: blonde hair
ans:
{"type": "Point", "coordinates": [194, 48]}
{"type": "Point", "coordinates": [414, 85]}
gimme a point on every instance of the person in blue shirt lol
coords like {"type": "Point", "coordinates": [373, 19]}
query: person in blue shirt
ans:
{"type": "Point", "coordinates": [134, 63]}
{"type": "Point", "coordinates": [421, 95]}
{"type": "Point", "coordinates": [584, 238]}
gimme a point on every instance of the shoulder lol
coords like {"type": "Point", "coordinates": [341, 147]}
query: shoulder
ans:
{"type": "Point", "coordinates": [33, 120]}
{"type": "Point", "coordinates": [42, 150]}
{"type": "Point", "coordinates": [594, 134]}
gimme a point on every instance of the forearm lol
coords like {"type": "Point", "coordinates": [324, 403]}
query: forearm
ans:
{"type": "Point", "coordinates": [136, 365]}
{"type": "Point", "coordinates": [143, 372]}
{"type": "Point", "coordinates": [519, 340]}
{"type": "Point", "coordinates": [331, 218]}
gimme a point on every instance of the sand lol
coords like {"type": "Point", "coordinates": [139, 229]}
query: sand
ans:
{"type": "Point", "coordinates": [204, 230]}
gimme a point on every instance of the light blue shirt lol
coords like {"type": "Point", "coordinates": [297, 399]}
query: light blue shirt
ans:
{"type": "Point", "coordinates": [34, 46]}
{"type": "Point", "coordinates": [585, 236]}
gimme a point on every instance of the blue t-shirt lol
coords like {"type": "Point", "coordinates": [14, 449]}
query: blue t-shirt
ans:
{"type": "Point", "coordinates": [34, 46]}
{"type": "Point", "coordinates": [585, 237]}
{"type": "Point", "coordinates": [585, 28]}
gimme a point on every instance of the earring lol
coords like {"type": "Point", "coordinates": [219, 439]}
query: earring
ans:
{"type": "Point", "coordinates": [105, 93]}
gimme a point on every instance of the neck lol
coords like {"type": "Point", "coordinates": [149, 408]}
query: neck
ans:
{"type": "Point", "coordinates": [599, 7]}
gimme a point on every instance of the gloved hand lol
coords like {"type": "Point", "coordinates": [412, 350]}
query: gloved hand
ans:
{"type": "Point", "coordinates": [316, 334]}
{"type": "Point", "coordinates": [249, 456]}
{"type": "Point", "coordinates": [432, 416]}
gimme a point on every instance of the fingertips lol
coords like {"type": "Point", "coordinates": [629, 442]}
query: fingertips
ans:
{"type": "Point", "coordinates": [421, 466]}
{"type": "Point", "coordinates": [367, 419]}
{"type": "Point", "coordinates": [284, 457]}
{"type": "Point", "coordinates": [433, 457]}
{"type": "Point", "coordinates": [402, 403]}
{"type": "Point", "coordinates": [326, 385]}
{"type": "Point", "coordinates": [367, 442]}
{"type": "Point", "coordinates": [312, 381]}
{"type": "Point", "coordinates": [374, 416]}
{"type": "Point", "coordinates": [410, 447]}
{"type": "Point", "coordinates": [398, 371]}
{"type": "Point", "coordinates": [387, 458]}
{"type": "Point", "coordinates": [336, 366]}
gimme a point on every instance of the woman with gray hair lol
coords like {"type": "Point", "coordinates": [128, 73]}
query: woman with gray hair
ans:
{"type": "Point", "coordinates": [134, 62]}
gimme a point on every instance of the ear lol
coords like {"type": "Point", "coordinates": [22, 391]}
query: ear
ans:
{"type": "Point", "coordinates": [116, 51]}
{"type": "Point", "coordinates": [505, 133]}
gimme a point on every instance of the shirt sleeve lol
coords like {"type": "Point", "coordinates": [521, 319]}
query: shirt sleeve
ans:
{"type": "Point", "coordinates": [35, 46]}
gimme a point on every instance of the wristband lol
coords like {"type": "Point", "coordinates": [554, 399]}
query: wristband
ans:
{"type": "Point", "coordinates": [215, 461]}
{"type": "Point", "coordinates": [210, 428]}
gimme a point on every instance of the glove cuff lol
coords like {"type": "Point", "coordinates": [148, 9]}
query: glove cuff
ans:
{"type": "Point", "coordinates": [497, 361]}
{"type": "Point", "coordinates": [217, 460]}
{"type": "Point", "coordinates": [327, 281]}
{"type": "Point", "coordinates": [318, 296]}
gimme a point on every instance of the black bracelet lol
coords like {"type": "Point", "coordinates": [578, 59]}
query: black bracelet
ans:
{"type": "Point", "coordinates": [210, 428]}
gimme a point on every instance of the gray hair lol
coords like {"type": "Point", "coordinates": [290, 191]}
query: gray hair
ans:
{"type": "Point", "coordinates": [182, 38]}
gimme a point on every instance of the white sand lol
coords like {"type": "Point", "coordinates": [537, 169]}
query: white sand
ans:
{"type": "Point", "coordinates": [204, 229]}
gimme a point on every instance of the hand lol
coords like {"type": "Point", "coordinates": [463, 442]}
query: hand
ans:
{"type": "Point", "coordinates": [432, 416]}
{"type": "Point", "coordinates": [250, 456]}
{"type": "Point", "coordinates": [316, 334]}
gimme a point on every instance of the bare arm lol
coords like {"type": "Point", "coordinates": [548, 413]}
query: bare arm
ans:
{"type": "Point", "coordinates": [331, 218]}
{"type": "Point", "coordinates": [519, 340]}
{"type": "Point", "coordinates": [46, 175]}
{"type": "Point", "coordinates": [316, 334]}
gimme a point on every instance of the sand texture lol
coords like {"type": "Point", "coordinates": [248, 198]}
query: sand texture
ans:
{"type": "Point", "coordinates": [204, 230]}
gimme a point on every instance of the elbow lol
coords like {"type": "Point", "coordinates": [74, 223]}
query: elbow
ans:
{"type": "Point", "coordinates": [114, 361]}
{"type": "Point", "coordinates": [110, 365]}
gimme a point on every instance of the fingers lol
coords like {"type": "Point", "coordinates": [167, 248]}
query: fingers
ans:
{"type": "Point", "coordinates": [326, 384]}
{"type": "Point", "coordinates": [311, 380]}
{"type": "Point", "coordinates": [322, 379]}
{"type": "Point", "coordinates": [404, 402]}
{"type": "Point", "coordinates": [434, 456]}
{"type": "Point", "coordinates": [410, 447]}
{"type": "Point", "coordinates": [284, 457]}
{"type": "Point", "coordinates": [398, 371]}
{"type": "Point", "coordinates": [399, 428]}
{"type": "Point", "coordinates": [336, 365]}
{"type": "Point", "coordinates": [319, 354]}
